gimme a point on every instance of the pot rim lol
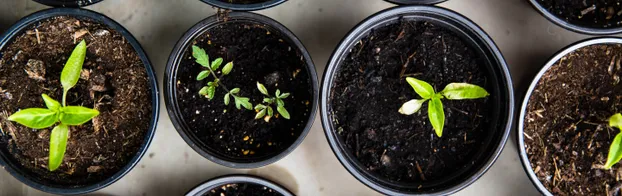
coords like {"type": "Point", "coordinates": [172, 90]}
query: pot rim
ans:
{"type": "Point", "coordinates": [17, 29]}
{"type": "Point", "coordinates": [521, 121]}
{"type": "Point", "coordinates": [572, 27]}
{"type": "Point", "coordinates": [398, 12]}
{"type": "Point", "coordinates": [74, 4]}
{"type": "Point", "coordinates": [236, 178]}
{"type": "Point", "coordinates": [244, 7]}
{"type": "Point", "coordinates": [170, 75]}
{"type": "Point", "coordinates": [423, 2]}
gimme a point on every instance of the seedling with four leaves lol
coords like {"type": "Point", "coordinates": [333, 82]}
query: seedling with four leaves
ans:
{"type": "Point", "coordinates": [61, 115]}
{"type": "Point", "coordinates": [266, 111]}
{"type": "Point", "coordinates": [453, 91]}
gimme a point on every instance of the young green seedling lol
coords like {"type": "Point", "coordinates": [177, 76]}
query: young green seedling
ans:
{"type": "Point", "coordinates": [615, 150]}
{"type": "Point", "coordinates": [65, 116]}
{"type": "Point", "coordinates": [453, 91]}
{"type": "Point", "coordinates": [209, 91]}
{"type": "Point", "coordinates": [266, 111]}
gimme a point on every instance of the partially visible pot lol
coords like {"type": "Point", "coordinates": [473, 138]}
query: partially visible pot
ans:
{"type": "Point", "coordinates": [244, 7]}
{"type": "Point", "coordinates": [584, 29]}
{"type": "Point", "coordinates": [68, 3]}
{"type": "Point", "coordinates": [219, 182]}
{"type": "Point", "coordinates": [416, 2]}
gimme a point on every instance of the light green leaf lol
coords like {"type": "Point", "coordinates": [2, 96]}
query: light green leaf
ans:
{"type": "Point", "coordinates": [411, 106]}
{"type": "Point", "coordinates": [277, 93]}
{"type": "Point", "coordinates": [216, 64]}
{"type": "Point", "coordinates": [58, 146]}
{"type": "Point", "coordinates": [227, 99]}
{"type": "Point", "coordinates": [201, 57]}
{"type": "Point", "coordinates": [50, 103]}
{"type": "Point", "coordinates": [270, 111]}
{"type": "Point", "coordinates": [422, 88]}
{"type": "Point", "coordinates": [284, 95]}
{"type": "Point", "coordinates": [615, 151]}
{"type": "Point", "coordinates": [280, 102]}
{"type": "Point", "coordinates": [211, 91]}
{"type": "Point", "coordinates": [77, 115]}
{"type": "Point", "coordinates": [268, 100]}
{"type": "Point", "coordinates": [203, 90]}
{"type": "Point", "coordinates": [235, 91]}
{"type": "Point", "coordinates": [243, 102]}
{"type": "Point", "coordinates": [202, 75]}
{"type": "Point", "coordinates": [36, 118]}
{"type": "Point", "coordinates": [457, 91]}
{"type": "Point", "coordinates": [227, 69]}
{"type": "Point", "coordinates": [262, 89]}
{"type": "Point", "coordinates": [260, 107]}
{"type": "Point", "coordinates": [71, 72]}
{"type": "Point", "coordinates": [436, 115]}
{"type": "Point", "coordinates": [616, 121]}
{"type": "Point", "coordinates": [260, 114]}
{"type": "Point", "coordinates": [283, 112]}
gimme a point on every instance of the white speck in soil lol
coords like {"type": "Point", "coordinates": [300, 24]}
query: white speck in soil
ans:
{"type": "Point", "coordinates": [216, 120]}
{"type": "Point", "coordinates": [198, 112]}
{"type": "Point", "coordinates": [187, 90]}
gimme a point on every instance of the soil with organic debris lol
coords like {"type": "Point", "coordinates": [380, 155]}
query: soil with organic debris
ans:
{"type": "Point", "coordinates": [591, 13]}
{"type": "Point", "coordinates": [370, 87]}
{"type": "Point", "coordinates": [243, 1]}
{"type": "Point", "coordinates": [567, 136]}
{"type": "Point", "coordinates": [259, 54]}
{"type": "Point", "coordinates": [113, 81]}
{"type": "Point", "coordinates": [242, 189]}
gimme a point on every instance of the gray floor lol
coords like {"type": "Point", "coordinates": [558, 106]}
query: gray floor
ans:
{"type": "Point", "coordinates": [526, 39]}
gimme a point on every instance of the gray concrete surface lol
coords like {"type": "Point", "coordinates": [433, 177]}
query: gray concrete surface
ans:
{"type": "Point", "coordinates": [526, 39]}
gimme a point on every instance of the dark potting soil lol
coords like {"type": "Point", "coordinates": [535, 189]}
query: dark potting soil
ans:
{"type": "Point", "coordinates": [567, 136]}
{"type": "Point", "coordinates": [241, 189]}
{"type": "Point", "coordinates": [259, 54]}
{"type": "Point", "coordinates": [243, 1]}
{"type": "Point", "coordinates": [113, 81]}
{"type": "Point", "coordinates": [591, 13]}
{"type": "Point", "coordinates": [369, 89]}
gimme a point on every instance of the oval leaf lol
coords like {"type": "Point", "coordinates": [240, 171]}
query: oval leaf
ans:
{"type": "Point", "coordinates": [411, 106]}
{"type": "Point", "coordinates": [457, 91]}
{"type": "Point", "coordinates": [277, 93]}
{"type": "Point", "coordinates": [211, 91]}
{"type": "Point", "coordinates": [36, 118]}
{"type": "Point", "coordinates": [77, 115]}
{"type": "Point", "coordinates": [436, 115]}
{"type": "Point", "coordinates": [270, 111]}
{"type": "Point", "coordinates": [615, 152]}
{"type": "Point", "coordinates": [616, 120]}
{"type": "Point", "coordinates": [422, 88]}
{"type": "Point", "coordinates": [284, 95]}
{"type": "Point", "coordinates": [216, 64]}
{"type": "Point", "coordinates": [227, 99]}
{"type": "Point", "coordinates": [227, 69]}
{"type": "Point", "coordinates": [203, 91]}
{"type": "Point", "coordinates": [71, 72]}
{"type": "Point", "coordinates": [58, 145]}
{"type": "Point", "coordinates": [202, 75]}
{"type": "Point", "coordinates": [50, 103]}
{"type": "Point", "coordinates": [235, 91]}
{"type": "Point", "coordinates": [283, 112]}
{"type": "Point", "coordinates": [260, 114]}
{"type": "Point", "coordinates": [280, 102]}
{"type": "Point", "coordinates": [260, 107]}
{"type": "Point", "coordinates": [201, 57]}
{"type": "Point", "coordinates": [262, 89]}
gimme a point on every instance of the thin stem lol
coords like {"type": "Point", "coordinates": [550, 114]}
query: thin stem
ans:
{"type": "Point", "coordinates": [65, 96]}
{"type": "Point", "coordinates": [218, 80]}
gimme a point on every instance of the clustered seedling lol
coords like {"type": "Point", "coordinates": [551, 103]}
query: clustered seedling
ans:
{"type": "Point", "coordinates": [615, 150]}
{"type": "Point", "coordinates": [41, 118]}
{"type": "Point", "coordinates": [266, 111]}
{"type": "Point", "coordinates": [453, 91]}
{"type": "Point", "coordinates": [208, 91]}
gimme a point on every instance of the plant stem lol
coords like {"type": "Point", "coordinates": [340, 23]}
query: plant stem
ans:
{"type": "Point", "coordinates": [65, 96]}
{"type": "Point", "coordinates": [218, 80]}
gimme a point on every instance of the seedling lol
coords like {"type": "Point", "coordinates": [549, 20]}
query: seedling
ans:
{"type": "Point", "coordinates": [615, 150]}
{"type": "Point", "coordinates": [62, 115]}
{"type": "Point", "coordinates": [453, 91]}
{"type": "Point", "coordinates": [266, 111]}
{"type": "Point", "coordinates": [209, 91]}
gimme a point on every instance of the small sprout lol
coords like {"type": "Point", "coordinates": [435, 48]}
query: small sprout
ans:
{"type": "Point", "coordinates": [62, 115]}
{"type": "Point", "coordinates": [265, 111]}
{"type": "Point", "coordinates": [453, 91]}
{"type": "Point", "coordinates": [615, 150]}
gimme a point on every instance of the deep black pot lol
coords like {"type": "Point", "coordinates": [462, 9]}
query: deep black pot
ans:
{"type": "Point", "coordinates": [170, 89]}
{"type": "Point", "coordinates": [230, 179]}
{"type": "Point", "coordinates": [572, 27]}
{"type": "Point", "coordinates": [415, 2]}
{"type": "Point", "coordinates": [68, 3]}
{"type": "Point", "coordinates": [521, 121]}
{"type": "Point", "coordinates": [14, 168]}
{"type": "Point", "coordinates": [498, 73]}
{"type": "Point", "coordinates": [244, 7]}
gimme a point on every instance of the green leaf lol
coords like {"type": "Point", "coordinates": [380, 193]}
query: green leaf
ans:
{"type": "Point", "coordinates": [277, 93]}
{"type": "Point", "coordinates": [268, 100]}
{"type": "Point", "coordinates": [457, 91]}
{"type": "Point", "coordinates": [50, 103]}
{"type": "Point", "coordinates": [262, 89]}
{"type": "Point", "coordinates": [227, 99]}
{"type": "Point", "coordinates": [436, 115]}
{"type": "Point", "coordinates": [260, 114]}
{"type": "Point", "coordinates": [280, 102]}
{"type": "Point", "coordinates": [615, 152]}
{"type": "Point", "coordinates": [235, 91]}
{"type": "Point", "coordinates": [211, 91]}
{"type": "Point", "coordinates": [616, 120]}
{"type": "Point", "coordinates": [77, 115]}
{"type": "Point", "coordinates": [270, 111]}
{"type": "Point", "coordinates": [227, 69]}
{"type": "Point", "coordinates": [202, 75]}
{"type": "Point", "coordinates": [71, 72]}
{"type": "Point", "coordinates": [216, 64]}
{"type": "Point", "coordinates": [36, 118]}
{"type": "Point", "coordinates": [58, 145]}
{"type": "Point", "coordinates": [412, 106]}
{"type": "Point", "coordinates": [260, 107]}
{"type": "Point", "coordinates": [201, 57]}
{"type": "Point", "coordinates": [283, 112]}
{"type": "Point", "coordinates": [422, 88]}
{"type": "Point", "coordinates": [243, 102]}
{"type": "Point", "coordinates": [203, 90]}
{"type": "Point", "coordinates": [284, 95]}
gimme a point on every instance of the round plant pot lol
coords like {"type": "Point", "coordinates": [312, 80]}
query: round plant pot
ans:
{"type": "Point", "coordinates": [521, 135]}
{"type": "Point", "coordinates": [500, 88]}
{"type": "Point", "coordinates": [416, 2]}
{"type": "Point", "coordinates": [584, 29]}
{"type": "Point", "coordinates": [244, 7]}
{"type": "Point", "coordinates": [12, 166]}
{"type": "Point", "coordinates": [223, 181]}
{"type": "Point", "coordinates": [68, 3]}
{"type": "Point", "coordinates": [182, 98]}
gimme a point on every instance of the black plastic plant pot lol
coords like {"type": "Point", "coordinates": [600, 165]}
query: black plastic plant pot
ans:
{"type": "Point", "coordinates": [484, 153]}
{"type": "Point", "coordinates": [220, 184]}
{"type": "Point", "coordinates": [244, 6]}
{"type": "Point", "coordinates": [586, 28]}
{"type": "Point", "coordinates": [416, 2]}
{"type": "Point", "coordinates": [217, 142]}
{"type": "Point", "coordinates": [68, 3]}
{"type": "Point", "coordinates": [12, 166]}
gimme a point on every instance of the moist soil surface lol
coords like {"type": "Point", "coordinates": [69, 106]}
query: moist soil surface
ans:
{"type": "Point", "coordinates": [567, 136]}
{"type": "Point", "coordinates": [243, 1]}
{"type": "Point", "coordinates": [113, 81]}
{"type": "Point", "coordinates": [370, 87]}
{"type": "Point", "coordinates": [590, 13]}
{"type": "Point", "coordinates": [241, 189]}
{"type": "Point", "coordinates": [259, 54]}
